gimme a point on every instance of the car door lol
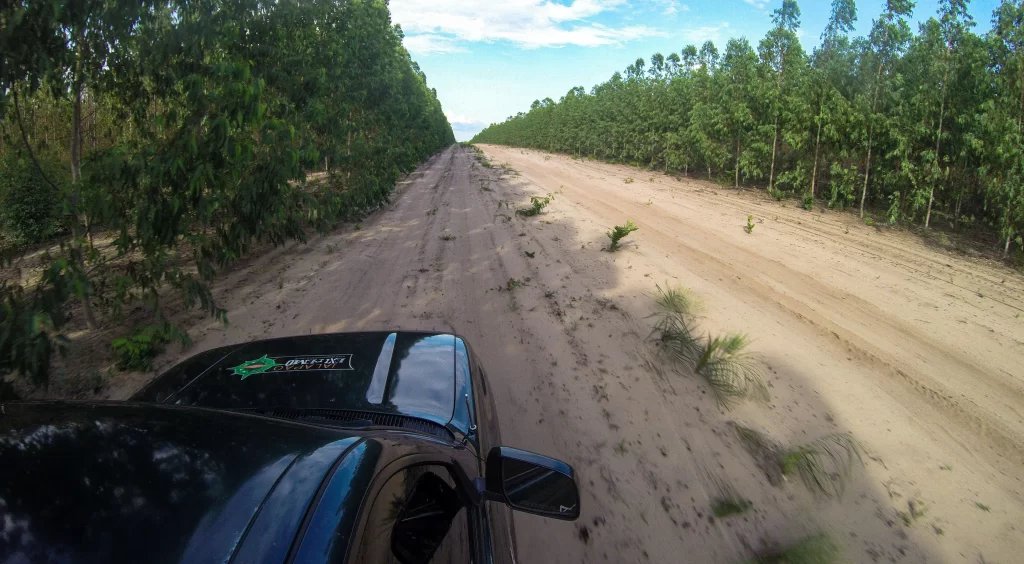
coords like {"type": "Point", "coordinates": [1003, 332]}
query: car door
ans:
{"type": "Point", "coordinates": [418, 516]}
{"type": "Point", "coordinates": [495, 519]}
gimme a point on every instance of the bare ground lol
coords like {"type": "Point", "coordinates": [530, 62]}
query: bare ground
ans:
{"type": "Point", "coordinates": [919, 353]}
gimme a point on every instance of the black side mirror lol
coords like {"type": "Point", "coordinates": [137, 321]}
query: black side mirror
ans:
{"type": "Point", "coordinates": [533, 483]}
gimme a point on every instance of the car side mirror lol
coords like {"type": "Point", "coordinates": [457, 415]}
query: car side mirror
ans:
{"type": "Point", "coordinates": [533, 483]}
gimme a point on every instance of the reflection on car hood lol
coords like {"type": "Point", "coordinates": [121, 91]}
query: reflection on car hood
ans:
{"type": "Point", "coordinates": [114, 482]}
{"type": "Point", "coordinates": [409, 374]}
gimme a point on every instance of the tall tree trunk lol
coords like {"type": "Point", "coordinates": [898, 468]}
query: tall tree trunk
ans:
{"type": "Point", "coordinates": [737, 162]}
{"type": "Point", "coordinates": [867, 174]}
{"type": "Point", "coordinates": [956, 214]}
{"type": "Point", "coordinates": [938, 138]}
{"type": "Point", "coordinates": [76, 174]}
{"type": "Point", "coordinates": [817, 148]}
{"type": "Point", "coordinates": [867, 165]}
{"type": "Point", "coordinates": [775, 144]}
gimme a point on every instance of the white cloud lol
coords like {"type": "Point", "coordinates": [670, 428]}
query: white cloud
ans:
{"type": "Point", "coordinates": [428, 43]}
{"type": "Point", "coordinates": [671, 7]}
{"type": "Point", "coordinates": [439, 27]}
{"type": "Point", "coordinates": [759, 4]}
{"type": "Point", "coordinates": [698, 35]}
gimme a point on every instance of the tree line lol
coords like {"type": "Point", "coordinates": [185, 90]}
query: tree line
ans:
{"type": "Point", "coordinates": [147, 144]}
{"type": "Point", "coordinates": [926, 126]}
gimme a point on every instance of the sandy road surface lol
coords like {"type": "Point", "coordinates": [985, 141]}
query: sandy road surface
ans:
{"type": "Point", "coordinates": [918, 353]}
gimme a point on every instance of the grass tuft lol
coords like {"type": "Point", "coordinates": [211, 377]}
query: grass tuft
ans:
{"type": "Point", "coordinates": [729, 370]}
{"type": "Point", "coordinates": [824, 466]}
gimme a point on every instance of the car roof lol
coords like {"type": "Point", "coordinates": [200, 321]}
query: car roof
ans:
{"type": "Point", "coordinates": [106, 481]}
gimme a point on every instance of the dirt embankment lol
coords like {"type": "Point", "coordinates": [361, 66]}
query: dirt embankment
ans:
{"type": "Point", "coordinates": [919, 354]}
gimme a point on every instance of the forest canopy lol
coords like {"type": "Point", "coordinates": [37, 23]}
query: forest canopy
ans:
{"type": "Point", "coordinates": [925, 126]}
{"type": "Point", "coordinates": [146, 145]}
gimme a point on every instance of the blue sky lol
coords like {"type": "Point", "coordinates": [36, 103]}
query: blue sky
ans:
{"type": "Point", "coordinates": [489, 59]}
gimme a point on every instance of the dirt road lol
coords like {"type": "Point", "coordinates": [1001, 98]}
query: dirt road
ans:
{"type": "Point", "coordinates": [916, 352]}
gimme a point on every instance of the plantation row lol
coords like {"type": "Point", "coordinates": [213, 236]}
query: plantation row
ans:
{"type": "Point", "coordinates": [922, 125]}
{"type": "Point", "coordinates": [147, 145]}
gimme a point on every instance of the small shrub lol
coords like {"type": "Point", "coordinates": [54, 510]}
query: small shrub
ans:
{"type": "Point", "coordinates": [728, 502]}
{"type": "Point", "coordinates": [842, 186]}
{"type": "Point", "coordinates": [729, 371]}
{"type": "Point", "coordinates": [447, 237]}
{"type": "Point", "coordinates": [529, 254]}
{"type": "Point", "coordinates": [137, 350]}
{"type": "Point", "coordinates": [808, 201]}
{"type": "Point", "coordinates": [30, 207]}
{"type": "Point", "coordinates": [675, 329]}
{"type": "Point", "coordinates": [536, 205]}
{"type": "Point", "coordinates": [628, 180]}
{"type": "Point", "coordinates": [486, 163]}
{"type": "Point", "coordinates": [728, 507]}
{"type": "Point", "coordinates": [869, 222]}
{"type": "Point", "coordinates": [618, 232]}
{"type": "Point", "coordinates": [818, 549]}
{"type": "Point", "coordinates": [749, 227]}
{"type": "Point", "coordinates": [512, 284]}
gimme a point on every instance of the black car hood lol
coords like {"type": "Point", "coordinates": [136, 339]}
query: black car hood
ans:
{"type": "Point", "coordinates": [115, 482]}
{"type": "Point", "coordinates": [407, 374]}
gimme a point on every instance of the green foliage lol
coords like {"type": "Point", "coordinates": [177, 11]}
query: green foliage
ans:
{"type": "Point", "coordinates": [825, 465]}
{"type": "Point", "coordinates": [513, 283]}
{"type": "Point", "coordinates": [202, 121]}
{"type": "Point", "coordinates": [29, 327]}
{"type": "Point", "coordinates": [618, 232]}
{"type": "Point", "coordinates": [628, 180]}
{"type": "Point", "coordinates": [536, 206]}
{"type": "Point", "coordinates": [808, 201]}
{"type": "Point", "coordinates": [819, 549]}
{"type": "Point", "coordinates": [749, 227]}
{"type": "Point", "coordinates": [137, 350]}
{"type": "Point", "coordinates": [30, 206]}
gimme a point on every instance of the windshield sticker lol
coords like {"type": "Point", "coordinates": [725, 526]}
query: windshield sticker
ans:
{"type": "Point", "coordinates": [292, 364]}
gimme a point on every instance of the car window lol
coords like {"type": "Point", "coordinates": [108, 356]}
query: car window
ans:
{"type": "Point", "coordinates": [416, 518]}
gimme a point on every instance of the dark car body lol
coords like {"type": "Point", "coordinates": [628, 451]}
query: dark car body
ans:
{"type": "Point", "coordinates": [326, 448]}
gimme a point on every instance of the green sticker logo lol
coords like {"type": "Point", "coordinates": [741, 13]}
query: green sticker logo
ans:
{"type": "Point", "coordinates": [257, 366]}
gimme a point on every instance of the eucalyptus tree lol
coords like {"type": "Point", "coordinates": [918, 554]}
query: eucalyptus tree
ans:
{"type": "Point", "coordinates": [954, 23]}
{"type": "Point", "coordinates": [781, 59]}
{"type": "Point", "coordinates": [1005, 119]}
{"type": "Point", "coordinates": [889, 36]}
{"type": "Point", "coordinates": [829, 65]}
{"type": "Point", "coordinates": [736, 82]}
